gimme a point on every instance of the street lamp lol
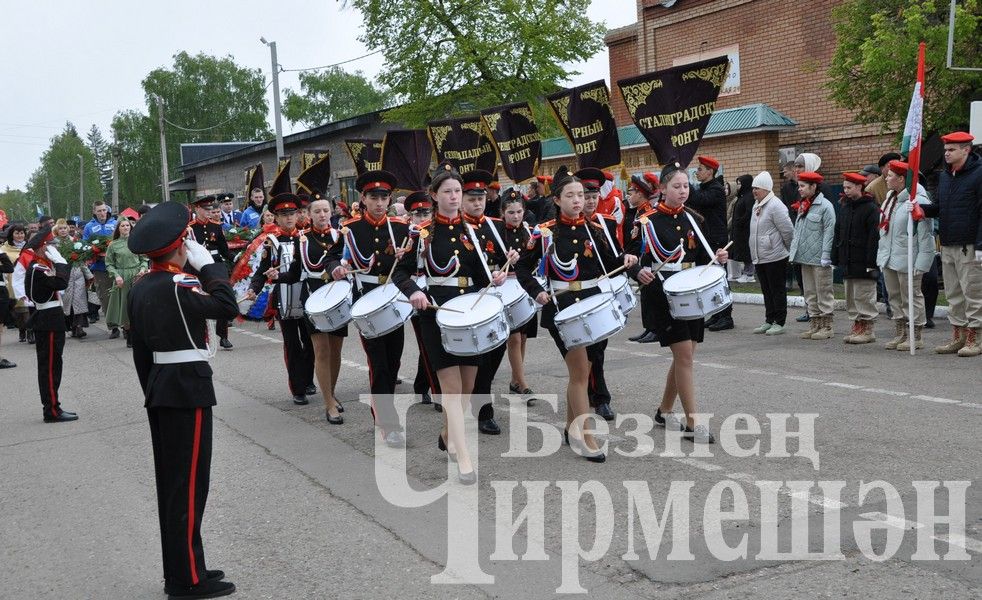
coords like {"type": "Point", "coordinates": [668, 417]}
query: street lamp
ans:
{"type": "Point", "coordinates": [81, 186]}
{"type": "Point", "coordinates": [276, 97]}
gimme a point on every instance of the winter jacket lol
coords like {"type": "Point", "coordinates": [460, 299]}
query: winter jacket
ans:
{"type": "Point", "coordinates": [857, 236]}
{"type": "Point", "coordinates": [740, 223]}
{"type": "Point", "coordinates": [771, 231]}
{"type": "Point", "coordinates": [814, 232]}
{"type": "Point", "coordinates": [958, 205]}
{"type": "Point", "coordinates": [710, 201]}
{"type": "Point", "coordinates": [94, 227]}
{"type": "Point", "coordinates": [892, 252]}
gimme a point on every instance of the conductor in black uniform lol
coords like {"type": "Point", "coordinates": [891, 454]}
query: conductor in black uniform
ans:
{"type": "Point", "coordinates": [167, 309]}
{"type": "Point", "coordinates": [210, 234]}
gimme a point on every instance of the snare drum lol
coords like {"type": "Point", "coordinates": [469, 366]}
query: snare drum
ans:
{"type": "Point", "coordinates": [697, 292]}
{"type": "Point", "coordinates": [381, 311]}
{"type": "Point", "coordinates": [589, 321]}
{"type": "Point", "coordinates": [329, 308]}
{"type": "Point", "coordinates": [474, 330]}
{"type": "Point", "coordinates": [519, 306]}
{"type": "Point", "coordinates": [621, 289]}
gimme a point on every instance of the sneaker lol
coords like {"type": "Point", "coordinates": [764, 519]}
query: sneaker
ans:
{"type": "Point", "coordinates": [669, 421]}
{"type": "Point", "coordinates": [762, 328]}
{"type": "Point", "coordinates": [803, 318]}
{"type": "Point", "coordinates": [699, 435]}
{"type": "Point", "coordinates": [775, 329]}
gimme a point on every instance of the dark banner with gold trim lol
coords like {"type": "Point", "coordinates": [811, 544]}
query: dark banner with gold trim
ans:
{"type": "Point", "coordinates": [672, 107]}
{"type": "Point", "coordinates": [309, 157]}
{"type": "Point", "coordinates": [315, 176]}
{"type": "Point", "coordinates": [516, 138]}
{"type": "Point", "coordinates": [406, 153]}
{"type": "Point", "coordinates": [366, 154]}
{"type": "Point", "coordinates": [585, 116]}
{"type": "Point", "coordinates": [464, 143]}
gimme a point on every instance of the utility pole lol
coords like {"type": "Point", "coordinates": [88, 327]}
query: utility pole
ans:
{"type": "Point", "coordinates": [276, 97]}
{"type": "Point", "coordinates": [81, 187]}
{"type": "Point", "coordinates": [163, 150]}
{"type": "Point", "coordinates": [115, 196]}
{"type": "Point", "coordinates": [47, 190]}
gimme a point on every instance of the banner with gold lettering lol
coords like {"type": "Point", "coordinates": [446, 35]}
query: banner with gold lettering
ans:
{"type": "Point", "coordinates": [463, 143]}
{"type": "Point", "coordinates": [406, 153]}
{"type": "Point", "coordinates": [366, 154]}
{"type": "Point", "coordinates": [309, 157]}
{"type": "Point", "coordinates": [316, 176]}
{"type": "Point", "coordinates": [585, 116]}
{"type": "Point", "coordinates": [672, 107]}
{"type": "Point", "coordinates": [516, 139]}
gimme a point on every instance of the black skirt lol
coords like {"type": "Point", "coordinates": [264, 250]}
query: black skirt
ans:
{"type": "Point", "coordinates": [668, 329]}
{"type": "Point", "coordinates": [433, 344]}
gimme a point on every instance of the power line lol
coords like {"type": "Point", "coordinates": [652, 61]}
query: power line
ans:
{"type": "Point", "coordinates": [175, 125]}
{"type": "Point", "coordinates": [337, 64]}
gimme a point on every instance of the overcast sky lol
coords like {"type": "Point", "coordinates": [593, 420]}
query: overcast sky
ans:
{"type": "Point", "coordinates": [83, 61]}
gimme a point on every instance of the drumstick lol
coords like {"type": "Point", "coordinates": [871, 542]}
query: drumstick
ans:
{"type": "Point", "coordinates": [612, 273]}
{"type": "Point", "coordinates": [490, 285]}
{"type": "Point", "coordinates": [433, 307]}
{"type": "Point", "coordinates": [714, 258]}
{"type": "Point", "coordinates": [395, 261]}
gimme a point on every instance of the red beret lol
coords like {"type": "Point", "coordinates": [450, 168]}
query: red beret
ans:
{"type": "Point", "coordinates": [857, 178]}
{"type": "Point", "coordinates": [810, 177]}
{"type": "Point", "coordinates": [652, 178]}
{"type": "Point", "coordinates": [709, 161]}
{"type": "Point", "coordinates": [958, 137]}
{"type": "Point", "coordinates": [898, 167]}
{"type": "Point", "coordinates": [494, 185]}
{"type": "Point", "coordinates": [544, 178]}
{"type": "Point", "coordinates": [608, 176]}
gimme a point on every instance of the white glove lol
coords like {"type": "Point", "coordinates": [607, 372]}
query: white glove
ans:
{"type": "Point", "coordinates": [826, 262]}
{"type": "Point", "coordinates": [55, 256]}
{"type": "Point", "coordinates": [198, 255]}
{"type": "Point", "coordinates": [978, 256]}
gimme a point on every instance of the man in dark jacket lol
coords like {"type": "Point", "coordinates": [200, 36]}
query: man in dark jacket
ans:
{"type": "Point", "coordinates": [710, 201]}
{"type": "Point", "coordinates": [959, 212]}
{"type": "Point", "coordinates": [857, 237]}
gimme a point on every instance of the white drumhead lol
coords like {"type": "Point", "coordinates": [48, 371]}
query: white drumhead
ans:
{"type": "Point", "coordinates": [509, 291]}
{"type": "Point", "coordinates": [489, 306]}
{"type": "Point", "coordinates": [374, 300]}
{"type": "Point", "coordinates": [694, 278]}
{"type": "Point", "coordinates": [612, 284]}
{"type": "Point", "coordinates": [328, 296]}
{"type": "Point", "coordinates": [584, 306]}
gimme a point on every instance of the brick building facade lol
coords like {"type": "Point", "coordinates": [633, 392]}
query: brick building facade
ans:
{"type": "Point", "coordinates": [783, 52]}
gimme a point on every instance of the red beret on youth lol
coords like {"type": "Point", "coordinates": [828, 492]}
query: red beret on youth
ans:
{"type": "Point", "coordinates": [857, 178]}
{"type": "Point", "coordinates": [958, 137]}
{"type": "Point", "coordinates": [898, 167]}
{"type": "Point", "coordinates": [709, 161]}
{"type": "Point", "coordinates": [810, 177]}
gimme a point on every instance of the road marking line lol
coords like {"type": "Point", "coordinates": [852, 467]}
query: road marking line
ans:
{"type": "Point", "coordinates": [816, 499]}
{"type": "Point", "coordinates": [744, 477]}
{"type": "Point", "coordinates": [938, 400]}
{"type": "Point", "coordinates": [695, 462]}
{"type": "Point", "coordinates": [760, 372]}
{"type": "Point", "coordinates": [803, 378]}
{"type": "Point", "coordinates": [895, 522]}
{"type": "Point", "coordinates": [848, 386]}
{"type": "Point", "coordinates": [887, 392]}
{"type": "Point", "coordinates": [972, 404]}
{"type": "Point", "coordinates": [645, 354]}
{"type": "Point", "coordinates": [955, 539]}
{"type": "Point", "coordinates": [952, 539]}
{"type": "Point", "coordinates": [715, 365]}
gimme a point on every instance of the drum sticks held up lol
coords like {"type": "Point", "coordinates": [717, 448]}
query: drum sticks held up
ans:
{"type": "Point", "coordinates": [490, 285]}
{"type": "Point", "coordinates": [713, 262]}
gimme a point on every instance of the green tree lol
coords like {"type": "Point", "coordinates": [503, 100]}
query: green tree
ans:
{"type": "Point", "coordinates": [330, 96]}
{"type": "Point", "coordinates": [457, 56]}
{"type": "Point", "coordinates": [16, 205]}
{"type": "Point", "coordinates": [103, 158]}
{"type": "Point", "coordinates": [205, 99]}
{"type": "Point", "coordinates": [60, 170]}
{"type": "Point", "coordinates": [875, 61]}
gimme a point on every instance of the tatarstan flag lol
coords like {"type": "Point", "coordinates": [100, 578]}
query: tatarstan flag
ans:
{"type": "Point", "coordinates": [911, 147]}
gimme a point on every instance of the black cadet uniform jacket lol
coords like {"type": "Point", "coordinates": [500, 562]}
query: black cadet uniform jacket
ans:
{"type": "Point", "coordinates": [211, 236]}
{"type": "Point", "coordinates": [317, 253]}
{"type": "Point", "coordinates": [274, 254]}
{"type": "Point", "coordinates": [42, 284]}
{"type": "Point", "coordinates": [669, 230]}
{"type": "Point", "coordinates": [156, 325]}
{"type": "Point", "coordinates": [366, 238]}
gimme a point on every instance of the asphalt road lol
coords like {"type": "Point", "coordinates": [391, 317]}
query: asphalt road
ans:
{"type": "Point", "coordinates": [295, 510]}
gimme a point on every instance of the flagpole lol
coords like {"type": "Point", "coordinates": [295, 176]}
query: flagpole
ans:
{"type": "Point", "coordinates": [912, 143]}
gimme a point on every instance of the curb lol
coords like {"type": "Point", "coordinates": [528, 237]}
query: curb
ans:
{"type": "Point", "coordinates": [940, 312]}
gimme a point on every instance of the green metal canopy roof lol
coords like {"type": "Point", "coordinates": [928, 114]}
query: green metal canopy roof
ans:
{"type": "Point", "coordinates": [728, 121]}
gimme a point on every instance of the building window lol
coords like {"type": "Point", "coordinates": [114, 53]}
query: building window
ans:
{"type": "Point", "coordinates": [732, 84]}
{"type": "Point", "coordinates": [347, 189]}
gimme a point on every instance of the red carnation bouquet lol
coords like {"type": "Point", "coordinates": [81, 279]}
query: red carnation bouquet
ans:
{"type": "Point", "coordinates": [75, 251]}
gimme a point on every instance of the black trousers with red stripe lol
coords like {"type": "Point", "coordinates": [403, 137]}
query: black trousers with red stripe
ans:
{"type": "Point", "coordinates": [384, 355]}
{"type": "Point", "coordinates": [181, 439]}
{"type": "Point", "coordinates": [480, 399]}
{"type": "Point", "coordinates": [49, 346]}
{"type": "Point", "coordinates": [426, 379]}
{"type": "Point", "coordinates": [298, 354]}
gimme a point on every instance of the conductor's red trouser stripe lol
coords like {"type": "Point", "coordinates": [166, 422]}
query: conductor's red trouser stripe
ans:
{"type": "Point", "coordinates": [191, 484]}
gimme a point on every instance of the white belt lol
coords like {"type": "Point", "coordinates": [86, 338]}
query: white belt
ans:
{"type": "Point", "coordinates": [376, 279]}
{"type": "Point", "coordinates": [214, 252]}
{"type": "Point", "coordinates": [454, 282]}
{"type": "Point", "coordinates": [48, 304]}
{"type": "Point", "coordinates": [675, 267]}
{"type": "Point", "coordinates": [179, 356]}
{"type": "Point", "coordinates": [575, 286]}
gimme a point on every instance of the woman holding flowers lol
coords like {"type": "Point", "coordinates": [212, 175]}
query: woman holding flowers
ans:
{"type": "Point", "coordinates": [74, 300]}
{"type": "Point", "coordinates": [123, 267]}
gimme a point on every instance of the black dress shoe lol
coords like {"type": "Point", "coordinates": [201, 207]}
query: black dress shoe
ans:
{"type": "Point", "coordinates": [62, 418]}
{"type": "Point", "coordinates": [212, 575]}
{"type": "Point", "coordinates": [635, 338]}
{"type": "Point", "coordinates": [649, 337]}
{"type": "Point", "coordinates": [712, 319]}
{"type": "Point", "coordinates": [340, 406]}
{"type": "Point", "coordinates": [721, 324]}
{"type": "Point", "coordinates": [311, 390]}
{"type": "Point", "coordinates": [114, 334]}
{"type": "Point", "coordinates": [300, 400]}
{"type": "Point", "coordinates": [603, 410]}
{"type": "Point", "coordinates": [488, 427]}
{"type": "Point", "coordinates": [338, 420]}
{"type": "Point", "coordinates": [69, 413]}
{"type": "Point", "coordinates": [224, 343]}
{"type": "Point", "coordinates": [6, 364]}
{"type": "Point", "coordinates": [129, 343]}
{"type": "Point", "coordinates": [467, 478]}
{"type": "Point", "coordinates": [30, 336]}
{"type": "Point", "coordinates": [206, 589]}
{"type": "Point", "coordinates": [929, 324]}
{"type": "Point", "coordinates": [437, 407]}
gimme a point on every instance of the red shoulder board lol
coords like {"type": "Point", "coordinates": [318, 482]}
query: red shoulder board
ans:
{"type": "Point", "coordinates": [548, 223]}
{"type": "Point", "coordinates": [493, 219]}
{"type": "Point", "coordinates": [402, 220]}
{"type": "Point", "coordinates": [351, 220]}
